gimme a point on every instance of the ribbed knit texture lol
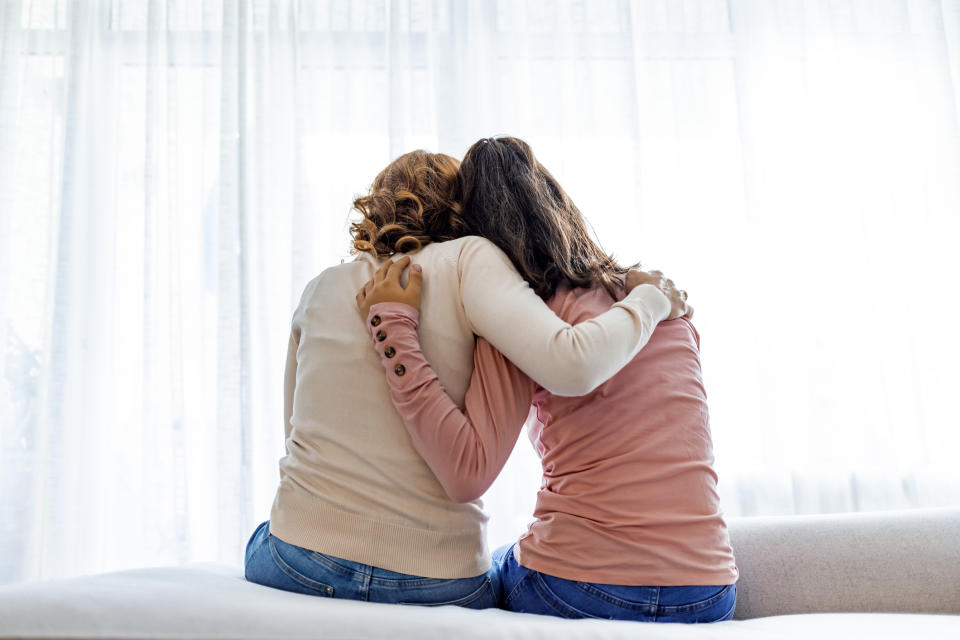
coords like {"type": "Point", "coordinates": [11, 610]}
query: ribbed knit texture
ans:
{"type": "Point", "coordinates": [352, 485]}
{"type": "Point", "coordinates": [629, 494]}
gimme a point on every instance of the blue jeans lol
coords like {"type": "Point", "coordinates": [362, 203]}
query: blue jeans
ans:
{"type": "Point", "coordinates": [528, 591]}
{"type": "Point", "coordinates": [274, 563]}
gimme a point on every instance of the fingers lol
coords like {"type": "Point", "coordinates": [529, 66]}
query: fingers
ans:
{"type": "Point", "coordinates": [396, 268]}
{"type": "Point", "coordinates": [689, 312]}
{"type": "Point", "coordinates": [381, 273]}
{"type": "Point", "coordinates": [385, 285]}
{"type": "Point", "coordinates": [415, 286]}
{"type": "Point", "coordinates": [366, 288]}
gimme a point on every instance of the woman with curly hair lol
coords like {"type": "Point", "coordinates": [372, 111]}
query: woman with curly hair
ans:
{"type": "Point", "coordinates": [358, 513]}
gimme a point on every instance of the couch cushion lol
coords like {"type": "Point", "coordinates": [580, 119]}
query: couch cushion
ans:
{"type": "Point", "coordinates": [895, 561]}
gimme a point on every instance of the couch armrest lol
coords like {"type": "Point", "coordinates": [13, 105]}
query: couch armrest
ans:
{"type": "Point", "coordinates": [897, 561]}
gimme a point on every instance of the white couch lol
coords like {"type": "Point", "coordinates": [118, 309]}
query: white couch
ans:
{"type": "Point", "coordinates": [878, 575]}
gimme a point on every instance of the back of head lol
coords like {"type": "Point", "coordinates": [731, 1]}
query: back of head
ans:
{"type": "Point", "coordinates": [512, 200]}
{"type": "Point", "coordinates": [411, 203]}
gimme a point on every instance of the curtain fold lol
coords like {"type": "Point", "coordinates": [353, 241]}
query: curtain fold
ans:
{"type": "Point", "coordinates": [172, 173]}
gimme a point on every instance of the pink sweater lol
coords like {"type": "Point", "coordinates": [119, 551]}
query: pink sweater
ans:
{"type": "Point", "coordinates": [629, 494]}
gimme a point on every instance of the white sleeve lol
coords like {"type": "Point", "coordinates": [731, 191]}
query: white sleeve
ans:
{"type": "Point", "coordinates": [566, 360]}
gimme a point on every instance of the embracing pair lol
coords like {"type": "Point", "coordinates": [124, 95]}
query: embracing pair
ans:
{"type": "Point", "coordinates": [484, 305]}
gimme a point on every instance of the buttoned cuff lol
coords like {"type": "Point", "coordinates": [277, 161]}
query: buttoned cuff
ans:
{"type": "Point", "coordinates": [393, 328]}
{"type": "Point", "coordinates": [391, 310]}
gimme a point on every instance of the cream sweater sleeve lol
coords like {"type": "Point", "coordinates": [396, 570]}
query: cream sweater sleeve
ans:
{"type": "Point", "coordinates": [565, 360]}
{"type": "Point", "coordinates": [290, 369]}
{"type": "Point", "coordinates": [290, 381]}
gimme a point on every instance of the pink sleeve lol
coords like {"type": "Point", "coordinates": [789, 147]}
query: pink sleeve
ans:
{"type": "Point", "coordinates": [464, 449]}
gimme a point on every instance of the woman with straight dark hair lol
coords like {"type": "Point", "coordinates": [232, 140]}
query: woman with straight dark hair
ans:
{"type": "Point", "coordinates": [627, 523]}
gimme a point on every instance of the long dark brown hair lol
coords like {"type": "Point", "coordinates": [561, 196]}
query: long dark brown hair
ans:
{"type": "Point", "coordinates": [512, 200]}
{"type": "Point", "coordinates": [411, 203]}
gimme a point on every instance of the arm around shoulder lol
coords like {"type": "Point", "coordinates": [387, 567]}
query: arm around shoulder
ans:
{"type": "Point", "coordinates": [564, 359]}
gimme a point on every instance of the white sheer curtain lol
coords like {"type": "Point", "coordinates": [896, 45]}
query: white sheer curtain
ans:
{"type": "Point", "coordinates": [173, 172]}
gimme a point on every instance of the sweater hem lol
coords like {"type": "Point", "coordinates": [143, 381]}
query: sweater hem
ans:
{"type": "Point", "coordinates": [426, 553]}
{"type": "Point", "coordinates": [660, 577]}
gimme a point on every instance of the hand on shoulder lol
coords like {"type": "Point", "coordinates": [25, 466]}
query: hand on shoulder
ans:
{"type": "Point", "coordinates": [385, 286]}
{"type": "Point", "coordinates": [677, 297]}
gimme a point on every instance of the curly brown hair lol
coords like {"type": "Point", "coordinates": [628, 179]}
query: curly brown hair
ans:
{"type": "Point", "coordinates": [411, 204]}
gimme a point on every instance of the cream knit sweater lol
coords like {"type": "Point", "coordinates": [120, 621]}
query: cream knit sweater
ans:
{"type": "Point", "coordinates": [352, 485]}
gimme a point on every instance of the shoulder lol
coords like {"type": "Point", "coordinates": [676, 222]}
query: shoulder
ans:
{"type": "Point", "coordinates": [339, 276]}
{"type": "Point", "coordinates": [467, 252]}
{"type": "Point", "coordinates": [461, 245]}
{"type": "Point", "coordinates": [576, 304]}
{"type": "Point", "coordinates": [476, 250]}
{"type": "Point", "coordinates": [311, 287]}
{"type": "Point", "coordinates": [475, 244]}
{"type": "Point", "coordinates": [693, 330]}
{"type": "Point", "coordinates": [331, 275]}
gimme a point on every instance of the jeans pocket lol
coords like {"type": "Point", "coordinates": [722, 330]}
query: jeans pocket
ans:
{"type": "Point", "coordinates": [307, 584]}
{"type": "Point", "coordinates": [556, 600]}
{"type": "Point", "coordinates": [715, 608]}
{"type": "Point", "coordinates": [443, 589]}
